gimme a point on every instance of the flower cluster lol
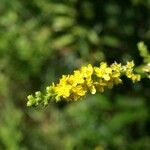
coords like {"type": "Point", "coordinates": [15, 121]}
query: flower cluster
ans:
{"type": "Point", "coordinates": [86, 79]}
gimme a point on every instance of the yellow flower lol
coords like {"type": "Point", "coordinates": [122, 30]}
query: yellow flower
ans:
{"type": "Point", "coordinates": [92, 89]}
{"type": "Point", "coordinates": [129, 73]}
{"type": "Point", "coordinates": [117, 81]}
{"type": "Point", "coordinates": [62, 89]}
{"type": "Point", "coordinates": [64, 79]}
{"type": "Point", "coordinates": [136, 78]}
{"type": "Point", "coordinates": [103, 71]}
{"type": "Point", "coordinates": [87, 71]}
{"type": "Point", "coordinates": [76, 78]}
{"type": "Point", "coordinates": [116, 70]}
{"type": "Point", "coordinates": [130, 64]}
{"type": "Point", "coordinates": [79, 90]}
{"type": "Point", "coordinates": [100, 85]}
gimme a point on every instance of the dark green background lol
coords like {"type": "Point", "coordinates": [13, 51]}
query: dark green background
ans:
{"type": "Point", "coordinates": [42, 39]}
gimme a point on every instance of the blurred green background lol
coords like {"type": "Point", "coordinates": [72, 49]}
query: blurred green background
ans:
{"type": "Point", "coordinates": [42, 39]}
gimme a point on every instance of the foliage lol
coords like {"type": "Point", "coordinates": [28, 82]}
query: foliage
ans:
{"type": "Point", "coordinates": [144, 52]}
{"type": "Point", "coordinates": [39, 41]}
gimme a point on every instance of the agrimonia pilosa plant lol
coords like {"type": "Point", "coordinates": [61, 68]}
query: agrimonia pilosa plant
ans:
{"type": "Point", "coordinates": [88, 79]}
{"type": "Point", "coordinates": [92, 79]}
